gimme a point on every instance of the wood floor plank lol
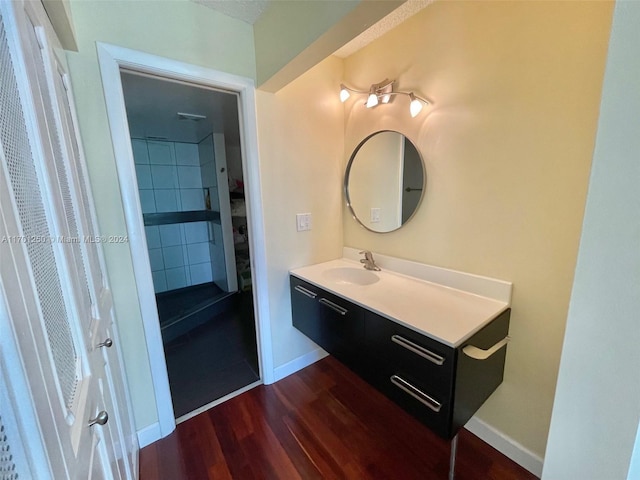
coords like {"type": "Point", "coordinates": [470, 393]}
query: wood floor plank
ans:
{"type": "Point", "coordinates": [171, 463]}
{"type": "Point", "coordinates": [206, 441]}
{"type": "Point", "coordinates": [223, 418]}
{"type": "Point", "coordinates": [323, 463]}
{"type": "Point", "coordinates": [196, 453]}
{"type": "Point", "coordinates": [268, 448]}
{"type": "Point", "coordinates": [279, 416]}
{"type": "Point", "coordinates": [323, 422]}
{"type": "Point", "coordinates": [149, 462]}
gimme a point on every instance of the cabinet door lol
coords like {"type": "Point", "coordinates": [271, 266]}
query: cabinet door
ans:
{"type": "Point", "coordinates": [332, 322]}
{"type": "Point", "coordinates": [305, 309]}
{"type": "Point", "coordinates": [341, 329]}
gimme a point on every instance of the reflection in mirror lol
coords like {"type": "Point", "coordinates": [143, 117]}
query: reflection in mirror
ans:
{"type": "Point", "coordinates": [385, 181]}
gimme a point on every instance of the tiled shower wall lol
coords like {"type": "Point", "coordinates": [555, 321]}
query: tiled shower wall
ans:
{"type": "Point", "coordinates": [170, 180]}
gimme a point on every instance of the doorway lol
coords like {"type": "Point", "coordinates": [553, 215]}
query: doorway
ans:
{"type": "Point", "coordinates": [188, 160]}
{"type": "Point", "coordinates": [112, 60]}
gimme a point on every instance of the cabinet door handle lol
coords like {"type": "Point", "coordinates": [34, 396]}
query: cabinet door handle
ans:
{"type": "Point", "coordinates": [416, 393]}
{"type": "Point", "coordinates": [417, 349]}
{"type": "Point", "coordinates": [480, 354]}
{"type": "Point", "coordinates": [333, 306]}
{"type": "Point", "coordinates": [306, 292]}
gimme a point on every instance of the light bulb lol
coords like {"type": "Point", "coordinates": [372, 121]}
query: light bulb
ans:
{"type": "Point", "coordinates": [372, 101]}
{"type": "Point", "coordinates": [344, 93]}
{"type": "Point", "coordinates": [415, 106]}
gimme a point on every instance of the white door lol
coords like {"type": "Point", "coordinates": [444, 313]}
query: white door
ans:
{"type": "Point", "coordinates": [56, 296]}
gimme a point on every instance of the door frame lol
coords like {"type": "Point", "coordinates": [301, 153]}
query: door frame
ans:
{"type": "Point", "coordinates": [111, 59]}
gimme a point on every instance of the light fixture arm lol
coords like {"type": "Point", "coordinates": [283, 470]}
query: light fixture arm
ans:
{"type": "Point", "coordinates": [411, 94]}
{"type": "Point", "coordinates": [344, 87]}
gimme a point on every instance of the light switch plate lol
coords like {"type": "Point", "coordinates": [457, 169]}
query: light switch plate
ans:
{"type": "Point", "coordinates": [303, 222]}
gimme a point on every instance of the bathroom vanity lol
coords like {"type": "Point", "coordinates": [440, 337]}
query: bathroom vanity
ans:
{"type": "Point", "coordinates": [431, 339]}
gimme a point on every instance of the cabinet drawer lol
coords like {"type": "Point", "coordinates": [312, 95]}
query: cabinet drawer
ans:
{"type": "Point", "coordinates": [401, 351]}
{"type": "Point", "coordinates": [431, 408]}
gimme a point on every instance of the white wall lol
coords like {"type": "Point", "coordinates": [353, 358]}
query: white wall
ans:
{"type": "Point", "coordinates": [301, 143]}
{"type": "Point", "coordinates": [597, 403]}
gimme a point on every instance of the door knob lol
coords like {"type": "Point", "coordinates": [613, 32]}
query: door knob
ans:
{"type": "Point", "coordinates": [107, 343]}
{"type": "Point", "coordinates": [101, 419]}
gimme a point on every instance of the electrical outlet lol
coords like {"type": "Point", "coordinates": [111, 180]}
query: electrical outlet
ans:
{"type": "Point", "coordinates": [375, 215]}
{"type": "Point", "coordinates": [303, 222]}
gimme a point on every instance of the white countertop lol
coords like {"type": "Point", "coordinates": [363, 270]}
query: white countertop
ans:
{"type": "Point", "coordinates": [446, 314]}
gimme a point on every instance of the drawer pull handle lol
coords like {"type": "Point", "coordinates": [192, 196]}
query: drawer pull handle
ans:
{"type": "Point", "coordinates": [306, 292]}
{"type": "Point", "coordinates": [480, 354]}
{"type": "Point", "coordinates": [333, 306]}
{"type": "Point", "coordinates": [416, 393]}
{"type": "Point", "coordinates": [417, 349]}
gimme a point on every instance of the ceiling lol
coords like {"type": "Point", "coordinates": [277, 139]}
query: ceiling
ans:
{"type": "Point", "coordinates": [153, 105]}
{"type": "Point", "coordinates": [249, 11]}
{"type": "Point", "coordinates": [395, 18]}
{"type": "Point", "coordinates": [246, 10]}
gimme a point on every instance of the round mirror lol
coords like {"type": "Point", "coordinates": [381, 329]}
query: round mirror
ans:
{"type": "Point", "coordinates": [385, 181]}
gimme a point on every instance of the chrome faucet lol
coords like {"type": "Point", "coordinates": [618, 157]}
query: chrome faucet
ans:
{"type": "Point", "coordinates": [369, 262]}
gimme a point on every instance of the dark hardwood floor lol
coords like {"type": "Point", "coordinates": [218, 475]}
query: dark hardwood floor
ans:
{"type": "Point", "coordinates": [323, 422]}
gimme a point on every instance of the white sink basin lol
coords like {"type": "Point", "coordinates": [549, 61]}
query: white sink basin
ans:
{"type": "Point", "coordinates": [352, 276]}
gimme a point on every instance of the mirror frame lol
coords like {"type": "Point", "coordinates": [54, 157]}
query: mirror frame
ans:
{"type": "Point", "coordinates": [348, 172]}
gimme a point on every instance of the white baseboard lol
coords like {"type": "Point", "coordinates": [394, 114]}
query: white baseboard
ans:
{"type": "Point", "coordinates": [298, 363]}
{"type": "Point", "coordinates": [506, 445]}
{"type": "Point", "coordinates": [148, 435]}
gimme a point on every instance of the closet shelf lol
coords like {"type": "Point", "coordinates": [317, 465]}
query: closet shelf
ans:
{"type": "Point", "coordinates": [167, 218]}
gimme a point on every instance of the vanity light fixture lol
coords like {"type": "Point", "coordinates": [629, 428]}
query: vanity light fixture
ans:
{"type": "Point", "coordinates": [381, 93]}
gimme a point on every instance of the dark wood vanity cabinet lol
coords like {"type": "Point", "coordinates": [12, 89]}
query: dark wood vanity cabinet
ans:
{"type": "Point", "coordinates": [440, 385]}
